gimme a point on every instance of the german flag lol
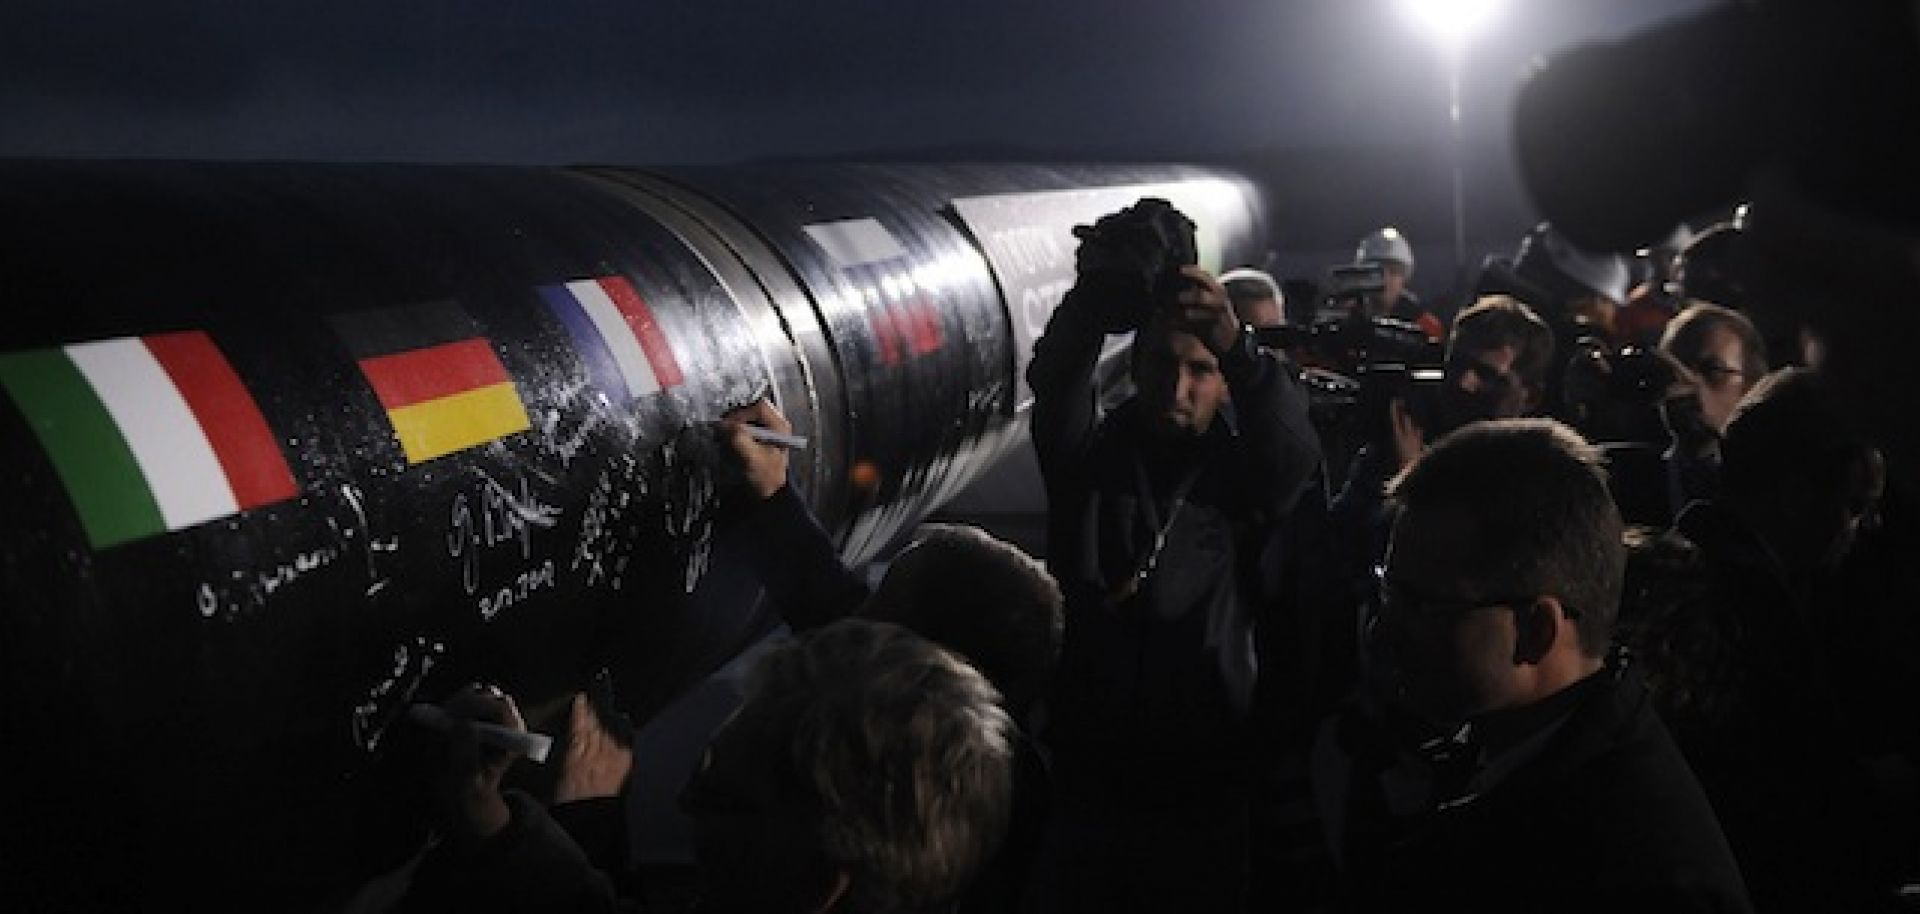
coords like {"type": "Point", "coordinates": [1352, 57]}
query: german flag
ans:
{"type": "Point", "coordinates": [436, 374]}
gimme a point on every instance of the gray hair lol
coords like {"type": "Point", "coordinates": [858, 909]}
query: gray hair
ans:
{"type": "Point", "coordinates": [904, 751]}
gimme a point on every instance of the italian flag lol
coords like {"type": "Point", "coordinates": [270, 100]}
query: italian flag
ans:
{"type": "Point", "coordinates": [149, 434]}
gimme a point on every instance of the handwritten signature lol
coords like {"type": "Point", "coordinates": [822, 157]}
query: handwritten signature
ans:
{"type": "Point", "coordinates": [384, 702]}
{"type": "Point", "coordinates": [495, 517]}
{"type": "Point", "coordinates": [252, 590]}
{"type": "Point", "coordinates": [605, 542]}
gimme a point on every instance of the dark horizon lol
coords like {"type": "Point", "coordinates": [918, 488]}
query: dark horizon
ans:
{"type": "Point", "coordinates": [577, 81]}
{"type": "Point", "coordinates": [1340, 109]}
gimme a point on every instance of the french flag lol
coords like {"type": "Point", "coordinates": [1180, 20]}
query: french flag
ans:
{"type": "Point", "coordinates": [625, 351]}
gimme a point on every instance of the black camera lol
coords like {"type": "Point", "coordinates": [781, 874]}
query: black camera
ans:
{"type": "Point", "coordinates": [1348, 341]}
{"type": "Point", "coordinates": [1357, 366]}
{"type": "Point", "coordinates": [1640, 377]}
{"type": "Point", "coordinates": [1355, 289]}
{"type": "Point", "coordinates": [1615, 396]}
{"type": "Point", "coordinates": [1633, 376]}
{"type": "Point", "coordinates": [1417, 387]}
{"type": "Point", "coordinates": [1131, 260]}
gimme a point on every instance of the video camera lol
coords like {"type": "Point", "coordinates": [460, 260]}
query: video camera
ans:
{"type": "Point", "coordinates": [1343, 335]}
{"type": "Point", "coordinates": [1355, 288]}
{"type": "Point", "coordinates": [1359, 364]}
{"type": "Point", "coordinates": [1640, 377]}
{"type": "Point", "coordinates": [1616, 396]}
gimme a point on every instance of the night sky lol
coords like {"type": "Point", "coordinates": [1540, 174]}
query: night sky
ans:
{"type": "Point", "coordinates": [1338, 107]}
{"type": "Point", "coordinates": [564, 81]}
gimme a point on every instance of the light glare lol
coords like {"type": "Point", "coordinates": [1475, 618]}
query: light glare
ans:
{"type": "Point", "coordinates": [1451, 21]}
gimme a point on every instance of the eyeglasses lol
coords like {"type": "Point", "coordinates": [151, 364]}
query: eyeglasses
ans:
{"type": "Point", "coordinates": [1397, 600]}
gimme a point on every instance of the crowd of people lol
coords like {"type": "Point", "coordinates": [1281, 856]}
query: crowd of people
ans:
{"type": "Point", "coordinates": [1613, 619]}
{"type": "Point", "coordinates": [1588, 589]}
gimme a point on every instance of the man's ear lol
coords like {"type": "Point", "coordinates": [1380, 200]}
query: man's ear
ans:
{"type": "Point", "coordinates": [1537, 627]}
{"type": "Point", "coordinates": [837, 890]}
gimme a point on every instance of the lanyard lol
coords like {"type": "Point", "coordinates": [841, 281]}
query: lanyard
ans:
{"type": "Point", "coordinates": [1128, 588]}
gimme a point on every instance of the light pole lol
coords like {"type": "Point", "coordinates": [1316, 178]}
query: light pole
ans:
{"type": "Point", "coordinates": [1451, 22]}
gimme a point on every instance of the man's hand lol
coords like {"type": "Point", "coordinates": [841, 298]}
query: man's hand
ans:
{"type": "Point", "coordinates": [469, 786]}
{"type": "Point", "coordinates": [596, 764]}
{"type": "Point", "coordinates": [765, 464]}
{"type": "Point", "coordinates": [1203, 309]}
{"type": "Point", "coordinates": [1409, 439]}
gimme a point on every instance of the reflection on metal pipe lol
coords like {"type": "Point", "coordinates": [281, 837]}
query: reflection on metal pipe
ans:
{"type": "Point", "coordinates": [289, 448]}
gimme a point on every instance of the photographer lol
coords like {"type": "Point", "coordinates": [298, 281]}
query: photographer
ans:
{"type": "Point", "coordinates": [1496, 368]}
{"type": "Point", "coordinates": [1721, 356]}
{"type": "Point", "coordinates": [1577, 293]}
{"type": "Point", "coordinates": [1156, 513]}
{"type": "Point", "coordinates": [1708, 358]}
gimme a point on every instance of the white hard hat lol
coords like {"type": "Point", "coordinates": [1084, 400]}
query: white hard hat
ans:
{"type": "Point", "coordinates": [1247, 288]}
{"type": "Point", "coordinates": [1248, 276]}
{"type": "Point", "coordinates": [1385, 244]}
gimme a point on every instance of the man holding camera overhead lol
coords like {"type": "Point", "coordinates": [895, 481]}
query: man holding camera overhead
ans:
{"type": "Point", "coordinates": [1157, 514]}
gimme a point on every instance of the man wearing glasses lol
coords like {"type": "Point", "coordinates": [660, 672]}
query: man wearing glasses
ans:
{"type": "Point", "coordinates": [1722, 356]}
{"type": "Point", "coordinates": [1496, 368]}
{"type": "Point", "coordinates": [1499, 758]}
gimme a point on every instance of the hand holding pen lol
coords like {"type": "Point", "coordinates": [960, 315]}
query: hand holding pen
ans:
{"type": "Point", "coordinates": [761, 437]}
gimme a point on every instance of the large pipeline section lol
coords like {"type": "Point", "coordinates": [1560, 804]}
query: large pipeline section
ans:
{"type": "Point", "coordinates": [289, 446]}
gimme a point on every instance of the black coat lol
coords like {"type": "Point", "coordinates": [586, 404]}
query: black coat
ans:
{"type": "Point", "coordinates": [1767, 704]}
{"type": "Point", "coordinates": [530, 865]}
{"type": "Point", "coordinates": [810, 587]}
{"type": "Point", "coordinates": [1605, 816]}
{"type": "Point", "coordinates": [1154, 688]}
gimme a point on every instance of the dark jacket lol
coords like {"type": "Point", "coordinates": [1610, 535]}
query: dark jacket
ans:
{"type": "Point", "coordinates": [1158, 681]}
{"type": "Point", "coordinates": [809, 586]}
{"type": "Point", "coordinates": [1653, 485]}
{"type": "Point", "coordinates": [530, 865]}
{"type": "Point", "coordinates": [1748, 670]}
{"type": "Point", "coordinates": [1599, 813]}
{"type": "Point", "coordinates": [799, 567]}
{"type": "Point", "coordinates": [1361, 520]}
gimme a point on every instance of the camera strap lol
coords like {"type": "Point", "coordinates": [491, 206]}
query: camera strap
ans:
{"type": "Point", "coordinates": [1127, 588]}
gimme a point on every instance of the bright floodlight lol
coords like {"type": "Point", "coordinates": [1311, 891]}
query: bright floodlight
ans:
{"type": "Point", "coordinates": [1450, 20]}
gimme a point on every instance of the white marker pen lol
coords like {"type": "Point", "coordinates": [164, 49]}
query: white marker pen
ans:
{"type": "Point", "coordinates": [766, 435]}
{"type": "Point", "coordinates": [532, 745]}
